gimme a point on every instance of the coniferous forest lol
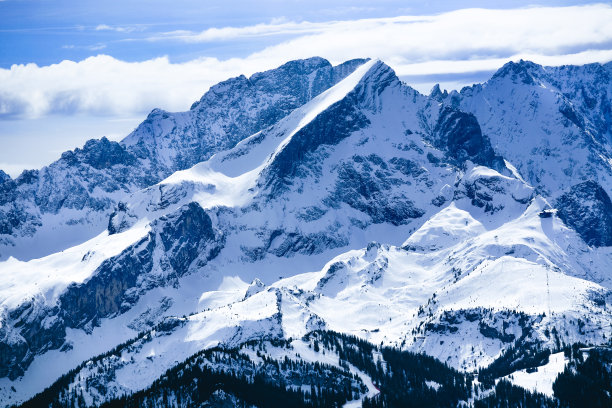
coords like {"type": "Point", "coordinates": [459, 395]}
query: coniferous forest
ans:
{"type": "Point", "coordinates": [270, 373]}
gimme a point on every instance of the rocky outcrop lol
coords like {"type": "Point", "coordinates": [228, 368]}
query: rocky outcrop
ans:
{"type": "Point", "coordinates": [519, 72]}
{"type": "Point", "coordinates": [459, 135]}
{"type": "Point", "coordinates": [586, 208]}
{"type": "Point", "coordinates": [365, 188]}
{"type": "Point", "coordinates": [178, 239]}
{"type": "Point", "coordinates": [120, 219]}
{"type": "Point", "coordinates": [329, 128]}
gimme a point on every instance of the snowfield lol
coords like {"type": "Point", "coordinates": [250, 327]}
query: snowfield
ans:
{"type": "Point", "coordinates": [543, 378]}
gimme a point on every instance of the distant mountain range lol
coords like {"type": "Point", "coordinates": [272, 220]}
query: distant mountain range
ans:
{"type": "Point", "coordinates": [307, 211]}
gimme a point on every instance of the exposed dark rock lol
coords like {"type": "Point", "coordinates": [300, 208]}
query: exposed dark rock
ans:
{"type": "Point", "coordinates": [586, 208]}
{"type": "Point", "coordinates": [8, 190]}
{"type": "Point", "coordinates": [458, 134]}
{"type": "Point", "coordinates": [493, 333]}
{"type": "Point", "coordinates": [568, 111]}
{"type": "Point", "coordinates": [15, 357]}
{"type": "Point", "coordinates": [27, 177]}
{"type": "Point", "coordinates": [407, 167]}
{"type": "Point", "coordinates": [187, 234]}
{"type": "Point", "coordinates": [10, 220]}
{"type": "Point", "coordinates": [441, 328]}
{"type": "Point", "coordinates": [522, 71]}
{"type": "Point", "coordinates": [31, 330]}
{"type": "Point", "coordinates": [102, 154]}
{"type": "Point", "coordinates": [329, 128]}
{"type": "Point", "coordinates": [437, 94]}
{"type": "Point", "coordinates": [367, 191]}
{"type": "Point", "coordinates": [120, 219]}
{"type": "Point", "coordinates": [283, 243]}
{"type": "Point", "coordinates": [184, 236]}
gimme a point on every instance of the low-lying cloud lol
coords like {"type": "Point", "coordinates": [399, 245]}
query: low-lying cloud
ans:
{"type": "Point", "coordinates": [418, 47]}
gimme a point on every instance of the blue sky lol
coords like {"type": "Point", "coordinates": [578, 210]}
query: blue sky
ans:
{"type": "Point", "coordinates": [72, 70]}
{"type": "Point", "coordinates": [49, 31]}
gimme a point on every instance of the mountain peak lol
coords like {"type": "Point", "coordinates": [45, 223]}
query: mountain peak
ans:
{"type": "Point", "coordinates": [270, 79]}
{"type": "Point", "coordinates": [524, 71]}
{"type": "Point", "coordinates": [229, 112]}
{"type": "Point", "coordinates": [331, 117]}
{"type": "Point", "coordinates": [4, 176]}
{"type": "Point", "coordinates": [377, 78]}
{"type": "Point", "coordinates": [301, 66]}
{"type": "Point", "coordinates": [437, 94]}
{"type": "Point", "coordinates": [379, 70]}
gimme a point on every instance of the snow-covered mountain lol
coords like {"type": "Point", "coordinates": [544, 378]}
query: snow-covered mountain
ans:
{"type": "Point", "coordinates": [554, 124]}
{"type": "Point", "coordinates": [72, 197]}
{"type": "Point", "coordinates": [311, 198]}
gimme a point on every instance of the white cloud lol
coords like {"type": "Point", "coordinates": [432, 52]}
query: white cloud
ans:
{"type": "Point", "coordinates": [470, 34]}
{"type": "Point", "coordinates": [275, 28]}
{"type": "Point", "coordinates": [438, 67]}
{"type": "Point", "coordinates": [92, 47]}
{"type": "Point", "coordinates": [457, 42]}
{"type": "Point", "coordinates": [103, 27]}
{"type": "Point", "coordinates": [119, 29]}
{"type": "Point", "coordinates": [477, 31]}
{"type": "Point", "coordinates": [103, 85]}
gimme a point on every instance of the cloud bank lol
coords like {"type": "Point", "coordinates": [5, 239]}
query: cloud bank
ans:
{"type": "Point", "coordinates": [103, 85]}
{"type": "Point", "coordinates": [418, 47]}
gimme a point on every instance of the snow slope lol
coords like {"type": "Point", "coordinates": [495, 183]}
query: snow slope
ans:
{"type": "Point", "coordinates": [543, 378]}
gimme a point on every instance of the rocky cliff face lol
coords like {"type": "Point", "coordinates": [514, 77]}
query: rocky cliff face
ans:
{"type": "Point", "coordinates": [586, 207]}
{"type": "Point", "coordinates": [459, 135]}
